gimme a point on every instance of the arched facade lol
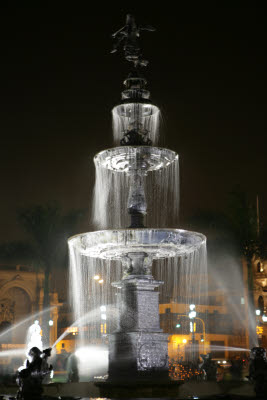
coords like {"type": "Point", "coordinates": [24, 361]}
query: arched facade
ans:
{"type": "Point", "coordinates": [21, 298]}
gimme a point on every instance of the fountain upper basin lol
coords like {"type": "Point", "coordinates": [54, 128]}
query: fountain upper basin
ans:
{"type": "Point", "coordinates": [157, 243]}
{"type": "Point", "coordinates": [127, 158]}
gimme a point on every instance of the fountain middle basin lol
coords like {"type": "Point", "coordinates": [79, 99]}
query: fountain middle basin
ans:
{"type": "Point", "coordinates": [156, 243]}
{"type": "Point", "coordinates": [127, 158]}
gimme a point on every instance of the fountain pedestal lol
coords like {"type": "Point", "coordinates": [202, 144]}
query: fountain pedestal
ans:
{"type": "Point", "coordinates": [138, 350]}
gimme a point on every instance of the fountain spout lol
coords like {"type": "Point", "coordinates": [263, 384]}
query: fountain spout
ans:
{"type": "Point", "coordinates": [137, 201]}
{"type": "Point", "coordinates": [136, 99]}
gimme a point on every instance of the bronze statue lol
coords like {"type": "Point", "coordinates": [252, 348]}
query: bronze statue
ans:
{"type": "Point", "coordinates": [127, 37]}
{"type": "Point", "coordinates": [31, 378]}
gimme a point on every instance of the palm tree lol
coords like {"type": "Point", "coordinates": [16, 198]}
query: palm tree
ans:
{"type": "Point", "coordinates": [237, 225]}
{"type": "Point", "coordinates": [243, 218]}
{"type": "Point", "coordinates": [47, 229]}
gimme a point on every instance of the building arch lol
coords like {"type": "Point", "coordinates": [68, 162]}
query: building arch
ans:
{"type": "Point", "coordinates": [20, 309]}
{"type": "Point", "coordinates": [16, 283]}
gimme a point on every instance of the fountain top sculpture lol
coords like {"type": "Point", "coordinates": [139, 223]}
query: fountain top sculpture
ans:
{"type": "Point", "coordinates": [136, 114]}
{"type": "Point", "coordinates": [128, 37]}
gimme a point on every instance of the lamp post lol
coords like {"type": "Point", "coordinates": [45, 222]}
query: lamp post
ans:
{"type": "Point", "coordinates": [192, 315]}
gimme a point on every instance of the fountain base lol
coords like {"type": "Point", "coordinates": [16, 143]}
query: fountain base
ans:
{"type": "Point", "coordinates": [138, 356]}
{"type": "Point", "coordinates": [150, 389]}
{"type": "Point", "coordinates": [138, 350]}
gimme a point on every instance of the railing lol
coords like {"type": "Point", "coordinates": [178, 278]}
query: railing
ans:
{"type": "Point", "coordinates": [16, 267]}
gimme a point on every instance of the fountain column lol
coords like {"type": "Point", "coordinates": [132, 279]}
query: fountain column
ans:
{"type": "Point", "coordinates": [138, 350]}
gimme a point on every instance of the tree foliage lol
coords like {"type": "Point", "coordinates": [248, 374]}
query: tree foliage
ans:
{"type": "Point", "coordinates": [48, 230]}
{"type": "Point", "coordinates": [242, 216]}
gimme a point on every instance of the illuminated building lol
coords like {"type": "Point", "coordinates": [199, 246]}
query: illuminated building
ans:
{"type": "Point", "coordinates": [21, 296]}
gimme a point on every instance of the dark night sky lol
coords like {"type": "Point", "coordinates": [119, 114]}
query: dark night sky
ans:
{"type": "Point", "coordinates": [58, 84]}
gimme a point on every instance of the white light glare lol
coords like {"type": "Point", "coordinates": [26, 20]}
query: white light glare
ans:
{"type": "Point", "coordinates": [192, 314]}
{"type": "Point", "coordinates": [258, 312]}
{"type": "Point", "coordinates": [101, 281]}
{"type": "Point", "coordinates": [103, 308]}
{"type": "Point", "coordinates": [104, 316]}
{"type": "Point", "coordinates": [264, 318]}
{"type": "Point", "coordinates": [92, 356]}
{"type": "Point", "coordinates": [184, 341]}
{"type": "Point", "coordinates": [192, 307]}
{"type": "Point", "coordinates": [50, 323]}
{"type": "Point", "coordinates": [96, 277]}
{"type": "Point", "coordinates": [224, 362]}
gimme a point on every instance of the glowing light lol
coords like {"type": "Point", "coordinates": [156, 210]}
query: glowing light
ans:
{"type": "Point", "coordinates": [103, 328]}
{"type": "Point", "coordinates": [184, 341]}
{"type": "Point", "coordinates": [178, 325]}
{"type": "Point", "coordinates": [192, 314]}
{"type": "Point", "coordinates": [103, 308]}
{"type": "Point", "coordinates": [104, 316]}
{"type": "Point", "coordinates": [73, 329]}
{"type": "Point", "coordinates": [50, 323]}
{"type": "Point", "coordinates": [224, 362]}
{"type": "Point", "coordinates": [192, 307]}
{"type": "Point", "coordinates": [101, 281]}
{"type": "Point", "coordinates": [258, 312]}
{"type": "Point", "coordinates": [259, 330]}
{"type": "Point", "coordinates": [264, 318]}
{"type": "Point", "coordinates": [92, 357]}
{"type": "Point", "coordinates": [96, 277]}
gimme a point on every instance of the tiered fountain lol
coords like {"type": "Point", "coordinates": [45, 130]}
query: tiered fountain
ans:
{"type": "Point", "coordinates": [134, 177]}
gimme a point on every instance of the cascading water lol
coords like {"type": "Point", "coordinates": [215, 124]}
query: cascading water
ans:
{"type": "Point", "coordinates": [179, 260]}
{"type": "Point", "coordinates": [113, 180]}
{"type": "Point", "coordinates": [137, 186]}
{"type": "Point", "coordinates": [125, 117]}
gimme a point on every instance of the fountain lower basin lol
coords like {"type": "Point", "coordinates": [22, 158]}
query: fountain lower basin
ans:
{"type": "Point", "coordinates": [156, 243]}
